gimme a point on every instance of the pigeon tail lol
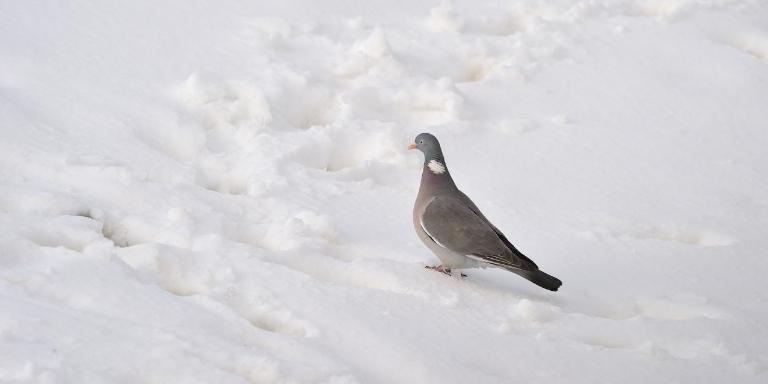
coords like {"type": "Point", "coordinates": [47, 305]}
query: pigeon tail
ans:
{"type": "Point", "coordinates": [540, 278]}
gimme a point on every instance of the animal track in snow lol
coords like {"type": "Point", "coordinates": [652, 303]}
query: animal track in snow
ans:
{"type": "Point", "coordinates": [623, 324]}
{"type": "Point", "coordinates": [755, 44]}
{"type": "Point", "coordinates": [234, 117]}
{"type": "Point", "coordinates": [477, 68]}
{"type": "Point", "coordinates": [430, 104]}
{"type": "Point", "coordinates": [675, 308]}
{"type": "Point", "coordinates": [681, 309]}
{"type": "Point", "coordinates": [214, 282]}
{"type": "Point", "coordinates": [659, 232]}
{"type": "Point", "coordinates": [260, 307]}
{"type": "Point", "coordinates": [369, 56]}
{"type": "Point", "coordinates": [221, 104]}
{"type": "Point", "coordinates": [444, 18]}
{"type": "Point", "coordinates": [75, 233]}
{"type": "Point", "coordinates": [522, 126]}
{"type": "Point", "coordinates": [125, 231]}
{"type": "Point", "coordinates": [662, 9]}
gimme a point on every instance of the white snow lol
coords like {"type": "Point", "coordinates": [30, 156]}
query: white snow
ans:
{"type": "Point", "coordinates": [220, 191]}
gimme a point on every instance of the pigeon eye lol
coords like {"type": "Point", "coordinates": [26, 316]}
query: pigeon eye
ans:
{"type": "Point", "coordinates": [421, 141]}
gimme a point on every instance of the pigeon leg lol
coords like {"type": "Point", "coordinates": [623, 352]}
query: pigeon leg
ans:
{"type": "Point", "coordinates": [439, 268]}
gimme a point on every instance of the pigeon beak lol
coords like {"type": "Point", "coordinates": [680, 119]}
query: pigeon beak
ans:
{"type": "Point", "coordinates": [412, 146]}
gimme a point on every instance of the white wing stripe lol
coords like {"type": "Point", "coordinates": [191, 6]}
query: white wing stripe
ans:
{"type": "Point", "coordinates": [430, 235]}
{"type": "Point", "coordinates": [493, 260]}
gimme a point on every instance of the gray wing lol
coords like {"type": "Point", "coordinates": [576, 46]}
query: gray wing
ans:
{"type": "Point", "coordinates": [454, 225]}
{"type": "Point", "coordinates": [471, 205]}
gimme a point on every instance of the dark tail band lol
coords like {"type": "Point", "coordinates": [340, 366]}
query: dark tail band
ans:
{"type": "Point", "coordinates": [541, 279]}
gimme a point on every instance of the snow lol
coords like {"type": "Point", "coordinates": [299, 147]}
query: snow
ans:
{"type": "Point", "coordinates": [220, 192]}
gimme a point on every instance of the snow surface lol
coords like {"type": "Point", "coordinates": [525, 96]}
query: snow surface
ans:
{"type": "Point", "coordinates": [219, 191]}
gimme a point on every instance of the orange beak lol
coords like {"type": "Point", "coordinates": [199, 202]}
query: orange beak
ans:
{"type": "Point", "coordinates": [412, 146]}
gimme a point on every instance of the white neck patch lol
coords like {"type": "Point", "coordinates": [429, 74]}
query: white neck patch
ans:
{"type": "Point", "coordinates": [436, 167]}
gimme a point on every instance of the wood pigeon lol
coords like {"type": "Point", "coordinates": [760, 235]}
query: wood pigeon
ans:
{"type": "Point", "coordinates": [452, 226]}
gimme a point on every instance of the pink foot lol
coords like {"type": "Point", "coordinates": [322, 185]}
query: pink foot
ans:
{"type": "Point", "coordinates": [440, 268]}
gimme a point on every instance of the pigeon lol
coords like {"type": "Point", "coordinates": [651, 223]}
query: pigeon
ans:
{"type": "Point", "coordinates": [455, 230]}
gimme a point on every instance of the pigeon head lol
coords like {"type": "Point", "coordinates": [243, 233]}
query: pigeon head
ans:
{"type": "Point", "coordinates": [433, 155]}
{"type": "Point", "coordinates": [427, 144]}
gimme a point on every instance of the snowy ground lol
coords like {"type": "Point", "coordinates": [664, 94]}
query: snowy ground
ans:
{"type": "Point", "coordinates": [219, 192]}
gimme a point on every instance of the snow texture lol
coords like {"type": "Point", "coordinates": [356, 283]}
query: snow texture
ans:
{"type": "Point", "coordinates": [220, 191]}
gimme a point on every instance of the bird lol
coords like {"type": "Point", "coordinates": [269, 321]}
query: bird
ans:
{"type": "Point", "coordinates": [453, 228]}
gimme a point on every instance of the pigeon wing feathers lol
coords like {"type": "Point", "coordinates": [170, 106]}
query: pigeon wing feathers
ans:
{"type": "Point", "coordinates": [469, 203]}
{"type": "Point", "coordinates": [453, 225]}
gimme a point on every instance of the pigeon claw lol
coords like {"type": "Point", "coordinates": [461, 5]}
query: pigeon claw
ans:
{"type": "Point", "coordinates": [442, 269]}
